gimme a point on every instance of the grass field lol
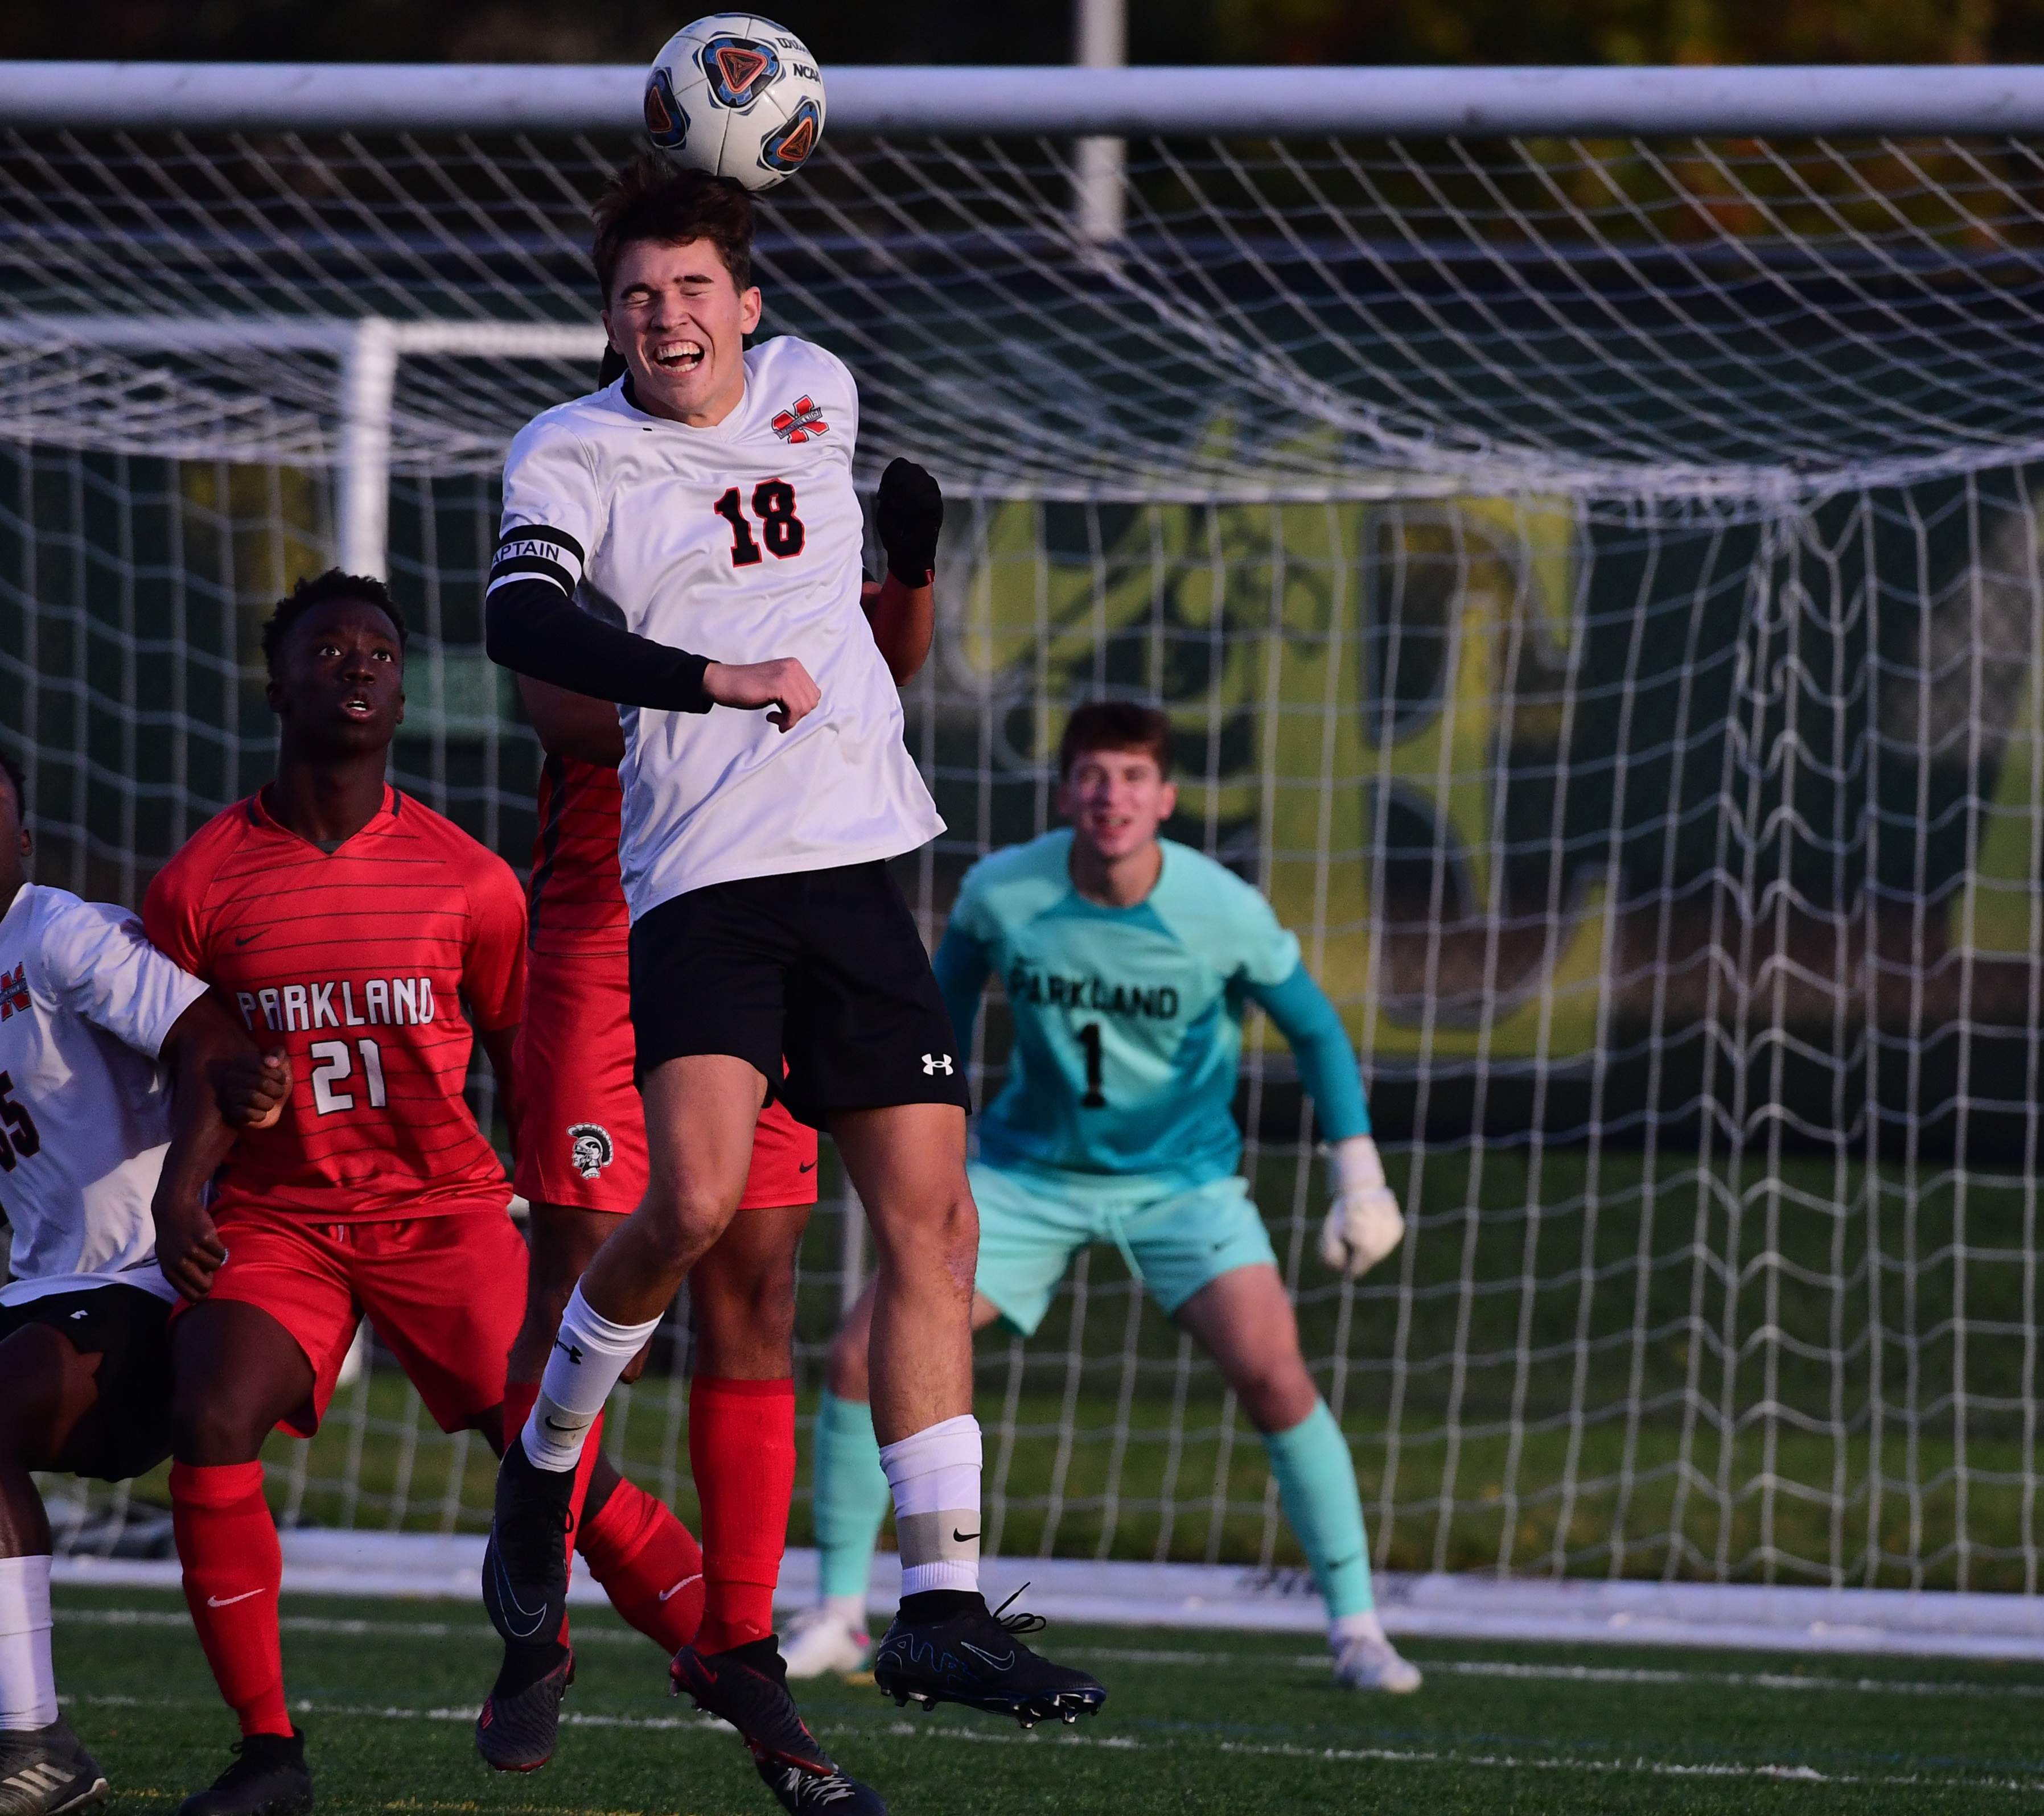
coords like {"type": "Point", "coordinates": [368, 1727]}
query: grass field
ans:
{"type": "Point", "coordinates": [1194, 1722]}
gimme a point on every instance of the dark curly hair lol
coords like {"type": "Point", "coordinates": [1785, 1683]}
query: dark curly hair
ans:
{"type": "Point", "coordinates": [649, 199]}
{"type": "Point", "coordinates": [1115, 725]}
{"type": "Point", "coordinates": [321, 590]}
{"type": "Point", "coordinates": [12, 770]}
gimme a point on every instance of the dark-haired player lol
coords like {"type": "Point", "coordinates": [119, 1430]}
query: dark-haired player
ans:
{"type": "Point", "coordinates": [1128, 961]}
{"type": "Point", "coordinates": [93, 1021]}
{"type": "Point", "coordinates": [350, 925]}
{"type": "Point", "coordinates": [706, 504]}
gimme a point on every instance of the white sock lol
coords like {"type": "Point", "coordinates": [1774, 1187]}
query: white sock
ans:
{"type": "Point", "coordinates": [850, 1609]}
{"type": "Point", "coordinates": [935, 1475]}
{"type": "Point", "coordinates": [28, 1681]}
{"type": "Point", "coordinates": [587, 1357]}
{"type": "Point", "coordinates": [1351, 1627]}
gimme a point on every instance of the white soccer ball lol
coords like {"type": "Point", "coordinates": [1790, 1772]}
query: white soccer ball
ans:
{"type": "Point", "coordinates": [735, 94]}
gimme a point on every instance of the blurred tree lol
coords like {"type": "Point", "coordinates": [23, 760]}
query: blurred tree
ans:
{"type": "Point", "coordinates": [1040, 31]}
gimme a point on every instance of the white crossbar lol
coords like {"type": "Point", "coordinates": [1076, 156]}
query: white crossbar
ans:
{"type": "Point", "coordinates": [1415, 102]}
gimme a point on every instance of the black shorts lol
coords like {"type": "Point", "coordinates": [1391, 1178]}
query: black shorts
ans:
{"type": "Point", "coordinates": [128, 1431]}
{"type": "Point", "coordinates": [822, 968]}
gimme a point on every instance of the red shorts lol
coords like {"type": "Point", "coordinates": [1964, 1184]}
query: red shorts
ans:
{"type": "Point", "coordinates": [445, 1294]}
{"type": "Point", "coordinates": [581, 1133]}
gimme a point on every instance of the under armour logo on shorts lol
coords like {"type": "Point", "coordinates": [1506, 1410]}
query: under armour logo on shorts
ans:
{"type": "Point", "coordinates": [933, 1063]}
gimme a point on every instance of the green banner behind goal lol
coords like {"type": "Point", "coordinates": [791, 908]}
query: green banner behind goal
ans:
{"type": "Point", "coordinates": [1596, 584]}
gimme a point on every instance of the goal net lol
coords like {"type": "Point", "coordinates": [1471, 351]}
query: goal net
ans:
{"type": "Point", "coordinates": [1594, 582]}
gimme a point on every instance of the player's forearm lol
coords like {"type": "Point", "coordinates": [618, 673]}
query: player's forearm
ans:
{"type": "Point", "coordinates": [533, 628]}
{"type": "Point", "coordinates": [203, 1041]}
{"type": "Point", "coordinates": [1320, 1045]}
{"type": "Point", "coordinates": [904, 619]}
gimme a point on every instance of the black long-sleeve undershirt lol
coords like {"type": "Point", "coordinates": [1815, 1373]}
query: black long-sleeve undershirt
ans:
{"type": "Point", "coordinates": [532, 627]}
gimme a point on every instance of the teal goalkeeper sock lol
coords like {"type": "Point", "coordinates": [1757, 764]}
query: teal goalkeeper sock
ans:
{"type": "Point", "coordinates": [851, 1495]}
{"type": "Point", "coordinates": [1316, 1482]}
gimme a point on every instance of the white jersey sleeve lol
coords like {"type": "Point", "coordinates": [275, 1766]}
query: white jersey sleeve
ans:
{"type": "Point", "coordinates": [100, 966]}
{"type": "Point", "coordinates": [553, 507]}
{"type": "Point", "coordinates": [86, 1005]}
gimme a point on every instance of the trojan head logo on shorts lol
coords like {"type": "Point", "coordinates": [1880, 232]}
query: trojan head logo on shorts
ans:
{"type": "Point", "coordinates": [590, 1149]}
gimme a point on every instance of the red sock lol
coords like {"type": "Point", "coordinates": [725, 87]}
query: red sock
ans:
{"type": "Point", "coordinates": [649, 1566]}
{"type": "Point", "coordinates": [520, 1397]}
{"type": "Point", "coordinates": [742, 1449]}
{"type": "Point", "coordinates": [233, 1568]}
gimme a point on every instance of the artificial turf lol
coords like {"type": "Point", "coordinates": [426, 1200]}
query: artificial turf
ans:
{"type": "Point", "coordinates": [1195, 1722]}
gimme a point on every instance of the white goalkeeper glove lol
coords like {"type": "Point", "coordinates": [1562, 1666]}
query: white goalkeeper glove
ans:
{"type": "Point", "coordinates": [1364, 1223]}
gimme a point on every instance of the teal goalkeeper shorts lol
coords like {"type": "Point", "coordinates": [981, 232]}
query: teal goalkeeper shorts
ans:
{"type": "Point", "coordinates": [1174, 1239]}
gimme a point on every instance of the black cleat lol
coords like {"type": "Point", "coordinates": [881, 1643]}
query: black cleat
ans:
{"type": "Point", "coordinates": [801, 1792]}
{"type": "Point", "coordinates": [748, 1686]}
{"type": "Point", "coordinates": [525, 1564]}
{"type": "Point", "coordinates": [43, 1770]}
{"type": "Point", "coordinates": [517, 1729]}
{"type": "Point", "coordinates": [268, 1778]}
{"type": "Point", "coordinates": [957, 1651]}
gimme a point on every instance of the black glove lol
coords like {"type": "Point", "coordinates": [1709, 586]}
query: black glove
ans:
{"type": "Point", "coordinates": [909, 513]}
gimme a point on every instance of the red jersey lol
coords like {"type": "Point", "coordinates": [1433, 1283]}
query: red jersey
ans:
{"type": "Point", "coordinates": [357, 961]}
{"type": "Point", "coordinates": [576, 901]}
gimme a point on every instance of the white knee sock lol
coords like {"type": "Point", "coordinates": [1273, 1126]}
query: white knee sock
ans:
{"type": "Point", "coordinates": [28, 1682]}
{"type": "Point", "coordinates": [935, 1475]}
{"type": "Point", "coordinates": [588, 1356]}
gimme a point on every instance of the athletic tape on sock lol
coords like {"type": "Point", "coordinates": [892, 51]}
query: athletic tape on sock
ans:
{"type": "Point", "coordinates": [934, 1476]}
{"type": "Point", "coordinates": [28, 1679]}
{"type": "Point", "coordinates": [589, 1353]}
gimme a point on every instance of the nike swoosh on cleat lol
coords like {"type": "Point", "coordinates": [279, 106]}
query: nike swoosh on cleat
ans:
{"type": "Point", "coordinates": [511, 1601]}
{"type": "Point", "coordinates": [959, 1537]}
{"type": "Point", "coordinates": [1004, 1663]}
{"type": "Point", "coordinates": [679, 1586]}
{"type": "Point", "coordinates": [244, 938]}
{"type": "Point", "coordinates": [229, 1601]}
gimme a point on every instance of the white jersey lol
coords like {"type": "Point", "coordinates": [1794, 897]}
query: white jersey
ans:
{"type": "Point", "coordinates": [86, 1005]}
{"type": "Point", "coordinates": [740, 543]}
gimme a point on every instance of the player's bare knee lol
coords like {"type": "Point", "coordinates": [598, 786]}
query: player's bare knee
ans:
{"type": "Point", "coordinates": [209, 1429]}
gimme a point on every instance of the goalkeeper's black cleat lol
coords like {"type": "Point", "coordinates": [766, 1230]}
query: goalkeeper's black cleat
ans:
{"type": "Point", "coordinates": [268, 1778]}
{"type": "Point", "coordinates": [954, 1650]}
{"type": "Point", "coordinates": [801, 1792]}
{"type": "Point", "coordinates": [525, 1564]}
{"type": "Point", "coordinates": [518, 1727]}
{"type": "Point", "coordinates": [748, 1686]}
{"type": "Point", "coordinates": [46, 1771]}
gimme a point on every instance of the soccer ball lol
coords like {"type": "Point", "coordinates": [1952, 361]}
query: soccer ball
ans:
{"type": "Point", "coordinates": [735, 94]}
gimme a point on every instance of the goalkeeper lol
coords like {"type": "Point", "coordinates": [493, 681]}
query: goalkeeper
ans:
{"type": "Point", "coordinates": [1127, 961]}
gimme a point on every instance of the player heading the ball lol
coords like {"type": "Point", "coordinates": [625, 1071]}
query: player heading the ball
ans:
{"type": "Point", "coordinates": [705, 504]}
{"type": "Point", "coordinates": [1128, 961]}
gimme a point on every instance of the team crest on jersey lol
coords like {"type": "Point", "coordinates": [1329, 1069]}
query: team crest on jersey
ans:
{"type": "Point", "coordinates": [738, 69]}
{"type": "Point", "coordinates": [590, 1148]}
{"type": "Point", "coordinates": [800, 420]}
{"type": "Point", "coordinates": [14, 992]}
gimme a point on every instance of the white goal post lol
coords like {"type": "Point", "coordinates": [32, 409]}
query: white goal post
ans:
{"type": "Point", "coordinates": [1585, 526]}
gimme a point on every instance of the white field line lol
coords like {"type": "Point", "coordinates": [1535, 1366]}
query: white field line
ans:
{"type": "Point", "coordinates": [1128, 1743]}
{"type": "Point", "coordinates": [1119, 1655]}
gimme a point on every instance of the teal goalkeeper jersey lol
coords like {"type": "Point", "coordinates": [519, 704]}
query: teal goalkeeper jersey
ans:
{"type": "Point", "coordinates": [1128, 1021]}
